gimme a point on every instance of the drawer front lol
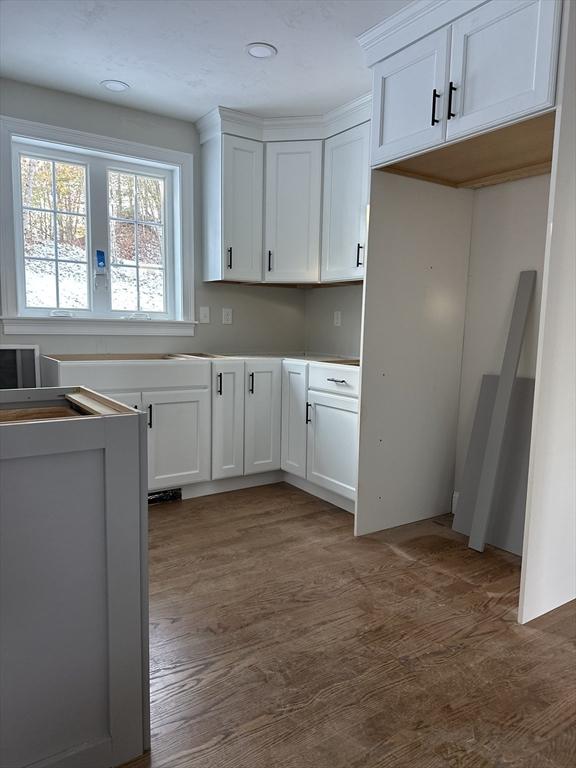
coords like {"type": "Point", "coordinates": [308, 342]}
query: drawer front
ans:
{"type": "Point", "coordinates": [115, 376]}
{"type": "Point", "coordinates": [341, 379]}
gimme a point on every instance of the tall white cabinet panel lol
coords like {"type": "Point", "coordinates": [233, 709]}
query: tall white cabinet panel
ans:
{"type": "Point", "coordinates": [293, 194]}
{"type": "Point", "coordinates": [294, 390]}
{"type": "Point", "coordinates": [333, 442]}
{"type": "Point", "coordinates": [346, 194]}
{"type": "Point", "coordinates": [503, 63]}
{"type": "Point", "coordinates": [242, 191]}
{"type": "Point", "coordinates": [409, 98]}
{"type": "Point", "coordinates": [262, 416]}
{"type": "Point", "coordinates": [178, 437]}
{"type": "Point", "coordinates": [227, 418]}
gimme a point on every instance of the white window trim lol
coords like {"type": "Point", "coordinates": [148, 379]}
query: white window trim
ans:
{"type": "Point", "coordinates": [12, 322]}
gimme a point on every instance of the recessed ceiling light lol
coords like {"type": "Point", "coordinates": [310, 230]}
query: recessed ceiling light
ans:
{"type": "Point", "coordinates": [115, 85]}
{"type": "Point", "coordinates": [261, 50]}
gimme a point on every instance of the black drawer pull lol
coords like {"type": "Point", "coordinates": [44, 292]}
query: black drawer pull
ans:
{"type": "Point", "coordinates": [451, 89]}
{"type": "Point", "coordinates": [337, 381]}
{"type": "Point", "coordinates": [435, 95]}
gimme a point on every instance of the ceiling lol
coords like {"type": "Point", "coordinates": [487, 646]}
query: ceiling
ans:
{"type": "Point", "coordinates": [184, 57]}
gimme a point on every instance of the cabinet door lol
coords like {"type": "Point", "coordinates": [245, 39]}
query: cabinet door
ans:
{"type": "Point", "coordinates": [333, 443]}
{"type": "Point", "coordinates": [503, 63]}
{"type": "Point", "coordinates": [293, 191]}
{"type": "Point", "coordinates": [131, 399]}
{"type": "Point", "coordinates": [294, 390]}
{"type": "Point", "coordinates": [178, 437]}
{"type": "Point", "coordinates": [262, 416]}
{"type": "Point", "coordinates": [227, 418]}
{"type": "Point", "coordinates": [242, 192]}
{"type": "Point", "coordinates": [406, 115]}
{"type": "Point", "coordinates": [346, 191]}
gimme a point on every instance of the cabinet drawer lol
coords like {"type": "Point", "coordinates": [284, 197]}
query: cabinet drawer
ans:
{"type": "Point", "coordinates": [342, 379]}
{"type": "Point", "coordinates": [117, 376]}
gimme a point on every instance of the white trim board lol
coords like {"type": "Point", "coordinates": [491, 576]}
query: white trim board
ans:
{"type": "Point", "coordinates": [223, 120]}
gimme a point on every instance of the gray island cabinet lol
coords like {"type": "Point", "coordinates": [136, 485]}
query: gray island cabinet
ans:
{"type": "Point", "coordinates": [73, 576]}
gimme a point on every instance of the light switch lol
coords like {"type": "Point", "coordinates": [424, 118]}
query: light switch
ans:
{"type": "Point", "coordinates": [204, 314]}
{"type": "Point", "coordinates": [226, 315]}
{"type": "Point", "coordinates": [337, 317]}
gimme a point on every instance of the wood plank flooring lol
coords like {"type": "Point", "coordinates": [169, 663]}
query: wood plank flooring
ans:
{"type": "Point", "coordinates": [280, 641]}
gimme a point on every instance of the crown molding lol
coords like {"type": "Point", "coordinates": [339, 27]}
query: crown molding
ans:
{"type": "Point", "coordinates": [410, 24]}
{"type": "Point", "coordinates": [223, 120]}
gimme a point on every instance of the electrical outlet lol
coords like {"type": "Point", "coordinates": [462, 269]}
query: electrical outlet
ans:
{"type": "Point", "coordinates": [204, 314]}
{"type": "Point", "coordinates": [226, 315]}
{"type": "Point", "coordinates": [337, 318]}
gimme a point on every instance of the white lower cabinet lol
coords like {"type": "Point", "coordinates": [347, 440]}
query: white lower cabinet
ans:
{"type": "Point", "coordinates": [131, 399]}
{"type": "Point", "coordinates": [262, 416]}
{"type": "Point", "coordinates": [333, 442]}
{"type": "Point", "coordinates": [179, 432]}
{"type": "Point", "coordinates": [227, 418]}
{"type": "Point", "coordinates": [294, 391]}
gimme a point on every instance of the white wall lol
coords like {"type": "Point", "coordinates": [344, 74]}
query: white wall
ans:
{"type": "Point", "coordinates": [549, 561]}
{"type": "Point", "coordinates": [266, 319]}
{"type": "Point", "coordinates": [508, 235]}
{"type": "Point", "coordinates": [322, 336]}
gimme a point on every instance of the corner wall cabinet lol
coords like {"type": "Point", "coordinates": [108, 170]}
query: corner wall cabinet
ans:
{"type": "Point", "coordinates": [493, 65]}
{"type": "Point", "coordinates": [346, 198]}
{"type": "Point", "coordinates": [292, 220]}
{"type": "Point", "coordinates": [262, 187]}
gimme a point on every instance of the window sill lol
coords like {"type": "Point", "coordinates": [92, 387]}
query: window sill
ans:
{"type": "Point", "coordinates": [87, 326]}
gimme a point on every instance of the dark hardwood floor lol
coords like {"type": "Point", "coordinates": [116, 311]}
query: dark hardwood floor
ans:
{"type": "Point", "coordinates": [280, 641]}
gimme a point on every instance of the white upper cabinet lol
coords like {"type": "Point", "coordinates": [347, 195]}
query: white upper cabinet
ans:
{"type": "Point", "coordinates": [346, 195]}
{"type": "Point", "coordinates": [503, 63]}
{"type": "Point", "coordinates": [227, 418]}
{"type": "Point", "coordinates": [409, 99]}
{"type": "Point", "coordinates": [242, 189]}
{"type": "Point", "coordinates": [262, 416]}
{"type": "Point", "coordinates": [292, 211]}
{"type": "Point", "coordinates": [462, 75]}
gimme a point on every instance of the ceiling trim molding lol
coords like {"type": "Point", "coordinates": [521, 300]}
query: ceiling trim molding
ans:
{"type": "Point", "coordinates": [223, 120]}
{"type": "Point", "coordinates": [410, 24]}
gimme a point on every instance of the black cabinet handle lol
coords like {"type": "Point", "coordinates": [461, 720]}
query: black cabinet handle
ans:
{"type": "Point", "coordinates": [308, 419]}
{"type": "Point", "coordinates": [251, 383]}
{"type": "Point", "coordinates": [358, 249]}
{"type": "Point", "coordinates": [230, 257]}
{"type": "Point", "coordinates": [337, 381]}
{"type": "Point", "coordinates": [435, 95]}
{"type": "Point", "coordinates": [451, 89]}
{"type": "Point", "coordinates": [269, 261]}
{"type": "Point", "coordinates": [219, 384]}
{"type": "Point", "coordinates": [150, 416]}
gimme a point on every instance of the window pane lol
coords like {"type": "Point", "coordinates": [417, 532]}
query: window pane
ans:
{"type": "Point", "coordinates": [124, 288]}
{"type": "Point", "coordinates": [36, 182]}
{"type": "Point", "coordinates": [38, 235]}
{"type": "Point", "coordinates": [121, 195]}
{"type": "Point", "coordinates": [71, 237]}
{"type": "Point", "coordinates": [70, 187]}
{"type": "Point", "coordinates": [40, 283]}
{"type": "Point", "coordinates": [73, 286]}
{"type": "Point", "coordinates": [151, 290]}
{"type": "Point", "coordinates": [150, 198]}
{"type": "Point", "coordinates": [122, 246]}
{"type": "Point", "coordinates": [150, 245]}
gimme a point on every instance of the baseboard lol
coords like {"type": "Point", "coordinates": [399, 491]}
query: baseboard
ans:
{"type": "Point", "coordinates": [93, 754]}
{"type": "Point", "coordinates": [231, 484]}
{"type": "Point", "coordinates": [322, 493]}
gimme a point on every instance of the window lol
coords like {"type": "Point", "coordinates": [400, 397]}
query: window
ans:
{"type": "Point", "coordinates": [97, 235]}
